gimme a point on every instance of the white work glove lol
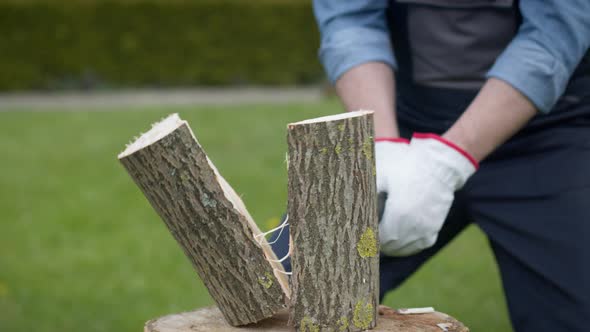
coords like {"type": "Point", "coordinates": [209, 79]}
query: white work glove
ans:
{"type": "Point", "coordinates": [420, 179]}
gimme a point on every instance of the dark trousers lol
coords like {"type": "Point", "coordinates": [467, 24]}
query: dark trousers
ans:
{"type": "Point", "coordinates": [531, 197]}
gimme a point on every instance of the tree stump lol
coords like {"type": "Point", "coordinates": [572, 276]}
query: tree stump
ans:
{"type": "Point", "coordinates": [211, 320]}
{"type": "Point", "coordinates": [332, 211]}
{"type": "Point", "coordinates": [209, 221]}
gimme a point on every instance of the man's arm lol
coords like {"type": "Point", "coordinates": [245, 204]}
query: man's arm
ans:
{"type": "Point", "coordinates": [531, 74]}
{"type": "Point", "coordinates": [357, 54]}
{"type": "Point", "coordinates": [497, 113]}
{"type": "Point", "coordinates": [371, 86]}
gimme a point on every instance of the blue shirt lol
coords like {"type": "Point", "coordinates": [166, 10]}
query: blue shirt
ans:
{"type": "Point", "coordinates": [539, 61]}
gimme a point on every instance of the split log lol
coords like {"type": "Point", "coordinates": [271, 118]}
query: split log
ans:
{"type": "Point", "coordinates": [208, 220]}
{"type": "Point", "coordinates": [332, 210]}
{"type": "Point", "coordinates": [210, 320]}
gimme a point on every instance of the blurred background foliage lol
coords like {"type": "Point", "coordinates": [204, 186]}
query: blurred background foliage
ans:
{"type": "Point", "coordinates": [52, 45]}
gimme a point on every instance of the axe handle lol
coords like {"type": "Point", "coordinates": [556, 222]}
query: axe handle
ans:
{"type": "Point", "coordinates": [381, 198]}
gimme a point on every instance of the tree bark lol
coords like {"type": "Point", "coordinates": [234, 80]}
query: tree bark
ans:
{"type": "Point", "coordinates": [332, 212]}
{"type": "Point", "coordinates": [208, 220]}
{"type": "Point", "coordinates": [210, 320]}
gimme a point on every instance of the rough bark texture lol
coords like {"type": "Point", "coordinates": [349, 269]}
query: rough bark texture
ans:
{"type": "Point", "coordinates": [211, 320]}
{"type": "Point", "coordinates": [211, 225]}
{"type": "Point", "coordinates": [332, 214]}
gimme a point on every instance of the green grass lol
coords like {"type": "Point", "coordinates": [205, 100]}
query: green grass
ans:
{"type": "Point", "coordinates": [82, 250]}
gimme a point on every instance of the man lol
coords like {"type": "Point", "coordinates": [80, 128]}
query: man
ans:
{"type": "Point", "coordinates": [499, 82]}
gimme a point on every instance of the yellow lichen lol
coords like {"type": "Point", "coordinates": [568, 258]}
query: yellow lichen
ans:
{"type": "Point", "coordinates": [324, 150]}
{"type": "Point", "coordinates": [341, 127]}
{"type": "Point", "coordinates": [307, 325]}
{"type": "Point", "coordinates": [368, 148]}
{"type": "Point", "coordinates": [266, 280]}
{"type": "Point", "coordinates": [363, 315]}
{"type": "Point", "coordinates": [184, 177]}
{"type": "Point", "coordinates": [338, 149]}
{"type": "Point", "coordinates": [367, 245]}
{"type": "Point", "coordinates": [351, 145]}
{"type": "Point", "coordinates": [342, 324]}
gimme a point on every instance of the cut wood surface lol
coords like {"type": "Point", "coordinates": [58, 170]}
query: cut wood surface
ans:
{"type": "Point", "coordinates": [332, 210]}
{"type": "Point", "coordinates": [210, 320]}
{"type": "Point", "coordinates": [209, 221]}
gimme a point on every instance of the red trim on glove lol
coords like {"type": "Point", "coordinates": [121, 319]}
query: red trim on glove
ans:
{"type": "Point", "coordinates": [449, 144]}
{"type": "Point", "coordinates": [392, 139]}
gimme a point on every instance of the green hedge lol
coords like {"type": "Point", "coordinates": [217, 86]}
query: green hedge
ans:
{"type": "Point", "coordinates": [63, 44]}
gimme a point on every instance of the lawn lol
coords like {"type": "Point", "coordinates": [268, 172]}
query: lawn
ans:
{"type": "Point", "coordinates": [82, 250]}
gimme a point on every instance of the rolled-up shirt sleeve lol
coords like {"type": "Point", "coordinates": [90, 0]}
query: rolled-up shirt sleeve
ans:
{"type": "Point", "coordinates": [539, 61]}
{"type": "Point", "coordinates": [352, 33]}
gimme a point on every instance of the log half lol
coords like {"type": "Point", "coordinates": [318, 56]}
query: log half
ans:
{"type": "Point", "coordinates": [208, 220]}
{"type": "Point", "coordinates": [332, 210]}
